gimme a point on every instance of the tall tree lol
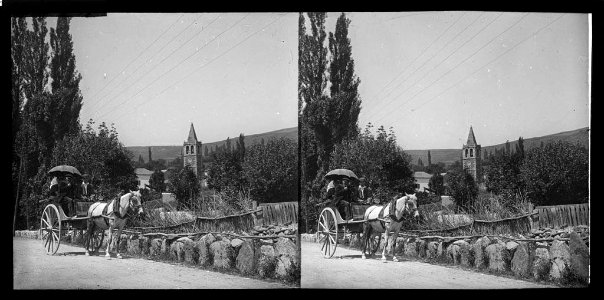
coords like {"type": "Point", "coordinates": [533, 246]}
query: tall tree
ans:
{"type": "Point", "coordinates": [150, 159]}
{"type": "Point", "coordinates": [312, 82]}
{"type": "Point", "coordinates": [19, 42]}
{"type": "Point", "coordinates": [205, 151]}
{"type": "Point", "coordinates": [429, 159]}
{"type": "Point", "coordinates": [330, 118]}
{"type": "Point", "coordinates": [141, 161]}
{"type": "Point", "coordinates": [228, 144]}
{"type": "Point", "coordinates": [344, 82]}
{"type": "Point", "coordinates": [241, 144]}
{"type": "Point", "coordinates": [520, 148]}
{"type": "Point", "coordinates": [65, 80]}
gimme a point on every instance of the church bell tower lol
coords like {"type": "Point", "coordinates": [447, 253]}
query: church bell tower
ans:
{"type": "Point", "coordinates": [471, 155]}
{"type": "Point", "coordinates": [191, 152]}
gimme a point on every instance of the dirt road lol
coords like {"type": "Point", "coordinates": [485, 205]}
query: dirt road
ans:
{"type": "Point", "coordinates": [33, 269]}
{"type": "Point", "coordinates": [351, 271]}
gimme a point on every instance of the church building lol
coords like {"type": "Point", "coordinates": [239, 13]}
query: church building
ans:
{"type": "Point", "coordinates": [192, 152]}
{"type": "Point", "coordinates": [471, 157]}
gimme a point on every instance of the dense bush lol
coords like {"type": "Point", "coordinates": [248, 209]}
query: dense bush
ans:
{"type": "Point", "coordinates": [557, 173]}
{"type": "Point", "coordinates": [437, 184]}
{"type": "Point", "coordinates": [184, 185]}
{"type": "Point", "coordinates": [377, 158]}
{"type": "Point", "coordinates": [271, 171]}
{"type": "Point", "coordinates": [156, 182]}
{"type": "Point", "coordinates": [225, 171]}
{"type": "Point", "coordinates": [462, 187]}
{"type": "Point", "coordinates": [101, 155]}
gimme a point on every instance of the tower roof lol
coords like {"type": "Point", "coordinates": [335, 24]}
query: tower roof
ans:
{"type": "Point", "coordinates": [471, 138]}
{"type": "Point", "coordinates": [192, 136]}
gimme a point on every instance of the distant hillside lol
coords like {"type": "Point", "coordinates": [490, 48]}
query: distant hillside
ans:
{"type": "Point", "coordinates": [449, 156]}
{"type": "Point", "coordinates": [171, 152]}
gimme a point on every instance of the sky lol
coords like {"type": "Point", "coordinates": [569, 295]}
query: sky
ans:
{"type": "Point", "coordinates": [153, 74]}
{"type": "Point", "coordinates": [432, 75]}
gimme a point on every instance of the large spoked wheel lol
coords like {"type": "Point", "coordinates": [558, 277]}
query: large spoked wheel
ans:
{"type": "Point", "coordinates": [50, 229]}
{"type": "Point", "coordinates": [373, 243]}
{"type": "Point", "coordinates": [328, 232]}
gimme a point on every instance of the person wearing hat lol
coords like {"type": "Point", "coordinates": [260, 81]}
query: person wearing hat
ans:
{"type": "Point", "coordinates": [86, 188]}
{"type": "Point", "coordinates": [364, 192]}
{"type": "Point", "coordinates": [342, 196]}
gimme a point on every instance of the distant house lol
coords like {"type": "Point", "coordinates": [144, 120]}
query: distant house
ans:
{"type": "Point", "coordinates": [421, 181]}
{"type": "Point", "coordinates": [143, 176]}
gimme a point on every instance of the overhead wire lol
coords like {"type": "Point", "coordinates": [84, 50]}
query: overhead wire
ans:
{"type": "Point", "coordinates": [446, 58]}
{"type": "Point", "coordinates": [188, 75]}
{"type": "Point", "coordinates": [377, 109]}
{"type": "Point", "coordinates": [158, 64]}
{"type": "Point", "coordinates": [459, 64]}
{"type": "Point", "coordinates": [488, 63]}
{"type": "Point", "coordinates": [139, 55]}
{"type": "Point", "coordinates": [178, 64]}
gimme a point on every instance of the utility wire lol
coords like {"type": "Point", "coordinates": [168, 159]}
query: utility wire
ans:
{"type": "Point", "coordinates": [377, 109]}
{"type": "Point", "coordinates": [456, 66]}
{"type": "Point", "coordinates": [139, 55]}
{"type": "Point", "coordinates": [446, 58]}
{"type": "Point", "coordinates": [151, 58]}
{"type": "Point", "coordinates": [181, 62]}
{"type": "Point", "coordinates": [417, 57]}
{"type": "Point", "coordinates": [488, 63]}
{"type": "Point", "coordinates": [211, 61]}
{"type": "Point", "coordinates": [169, 55]}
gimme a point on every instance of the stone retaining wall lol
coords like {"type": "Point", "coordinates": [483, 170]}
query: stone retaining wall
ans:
{"type": "Point", "coordinates": [560, 261]}
{"type": "Point", "coordinates": [275, 258]}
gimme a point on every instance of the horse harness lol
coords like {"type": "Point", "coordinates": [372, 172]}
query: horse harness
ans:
{"type": "Point", "coordinates": [391, 213]}
{"type": "Point", "coordinates": [116, 210]}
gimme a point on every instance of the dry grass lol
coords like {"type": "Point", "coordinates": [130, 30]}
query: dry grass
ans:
{"type": "Point", "coordinates": [208, 204]}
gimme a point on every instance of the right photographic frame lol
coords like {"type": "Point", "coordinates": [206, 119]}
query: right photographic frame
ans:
{"type": "Point", "coordinates": [444, 149]}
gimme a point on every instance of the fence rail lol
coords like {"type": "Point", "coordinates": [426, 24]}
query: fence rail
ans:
{"type": "Point", "coordinates": [563, 215]}
{"type": "Point", "coordinates": [278, 213]}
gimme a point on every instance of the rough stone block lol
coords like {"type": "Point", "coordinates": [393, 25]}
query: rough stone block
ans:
{"type": "Point", "coordinates": [522, 260]}
{"type": "Point", "coordinates": [560, 256]}
{"type": "Point", "coordinates": [579, 257]}
{"type": "Point", "coordinates": [203, 246]}
{"type": "Point", "coordinates": [498, 257]}
{"type": "Point", "coordinates": [223, 254]}
{"type": "Point", "coordinates": [480, 258]}
{"type": "Point", "coordinates": [432, 251]}
{"type": "Point", "coordinates": [155, 247]}
{"type": "Point", "coordinates": [454, 254]}
{"type": "Point", "coordinates": [134, 247]}
{"type": "Point", "coordinates": [541, 264]}
{"type": "Point", "coordinates": [246, 259]}
{"type": "Point", "coordinates": [191, 252]}
{"type": "Point", "coordinates": [144, 243]}
{"type": "Point", "coordinates": [267, 261]}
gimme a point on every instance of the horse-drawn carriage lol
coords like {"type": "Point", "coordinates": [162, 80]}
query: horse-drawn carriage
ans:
{"type": "Point", "coordinates": [370, 220]}
{"type": "Point", "coordinates": [54, 223]}
{"type": "Point", "coordinates": [87, 215]}
{"type": "Point", "coordinates": [332, 229]}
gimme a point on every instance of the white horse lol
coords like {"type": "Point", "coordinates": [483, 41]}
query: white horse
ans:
{"type": "Point", "coordinates": [106, 216]}
{"type": "Point", "coordinates": [377, 220]}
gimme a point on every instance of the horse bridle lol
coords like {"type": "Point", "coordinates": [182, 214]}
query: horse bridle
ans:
{"type": "Point", "coordinates": [130, 206]}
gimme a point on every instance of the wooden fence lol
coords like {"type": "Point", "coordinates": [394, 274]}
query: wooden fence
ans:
{"type": "Point", "coordinates": [282, 213]}
{"type": "Point", "coordinates": [563, 215]}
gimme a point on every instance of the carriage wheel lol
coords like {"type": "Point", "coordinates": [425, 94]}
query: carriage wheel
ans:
{"type": "Point", "coordinates": [328, 232]}
{"type": "Point", "coordinates": [96, 240]}
{"type": "Point", "coordinates": [373, 243]}
{"type": "Point", "coordinates": [50, 229]}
